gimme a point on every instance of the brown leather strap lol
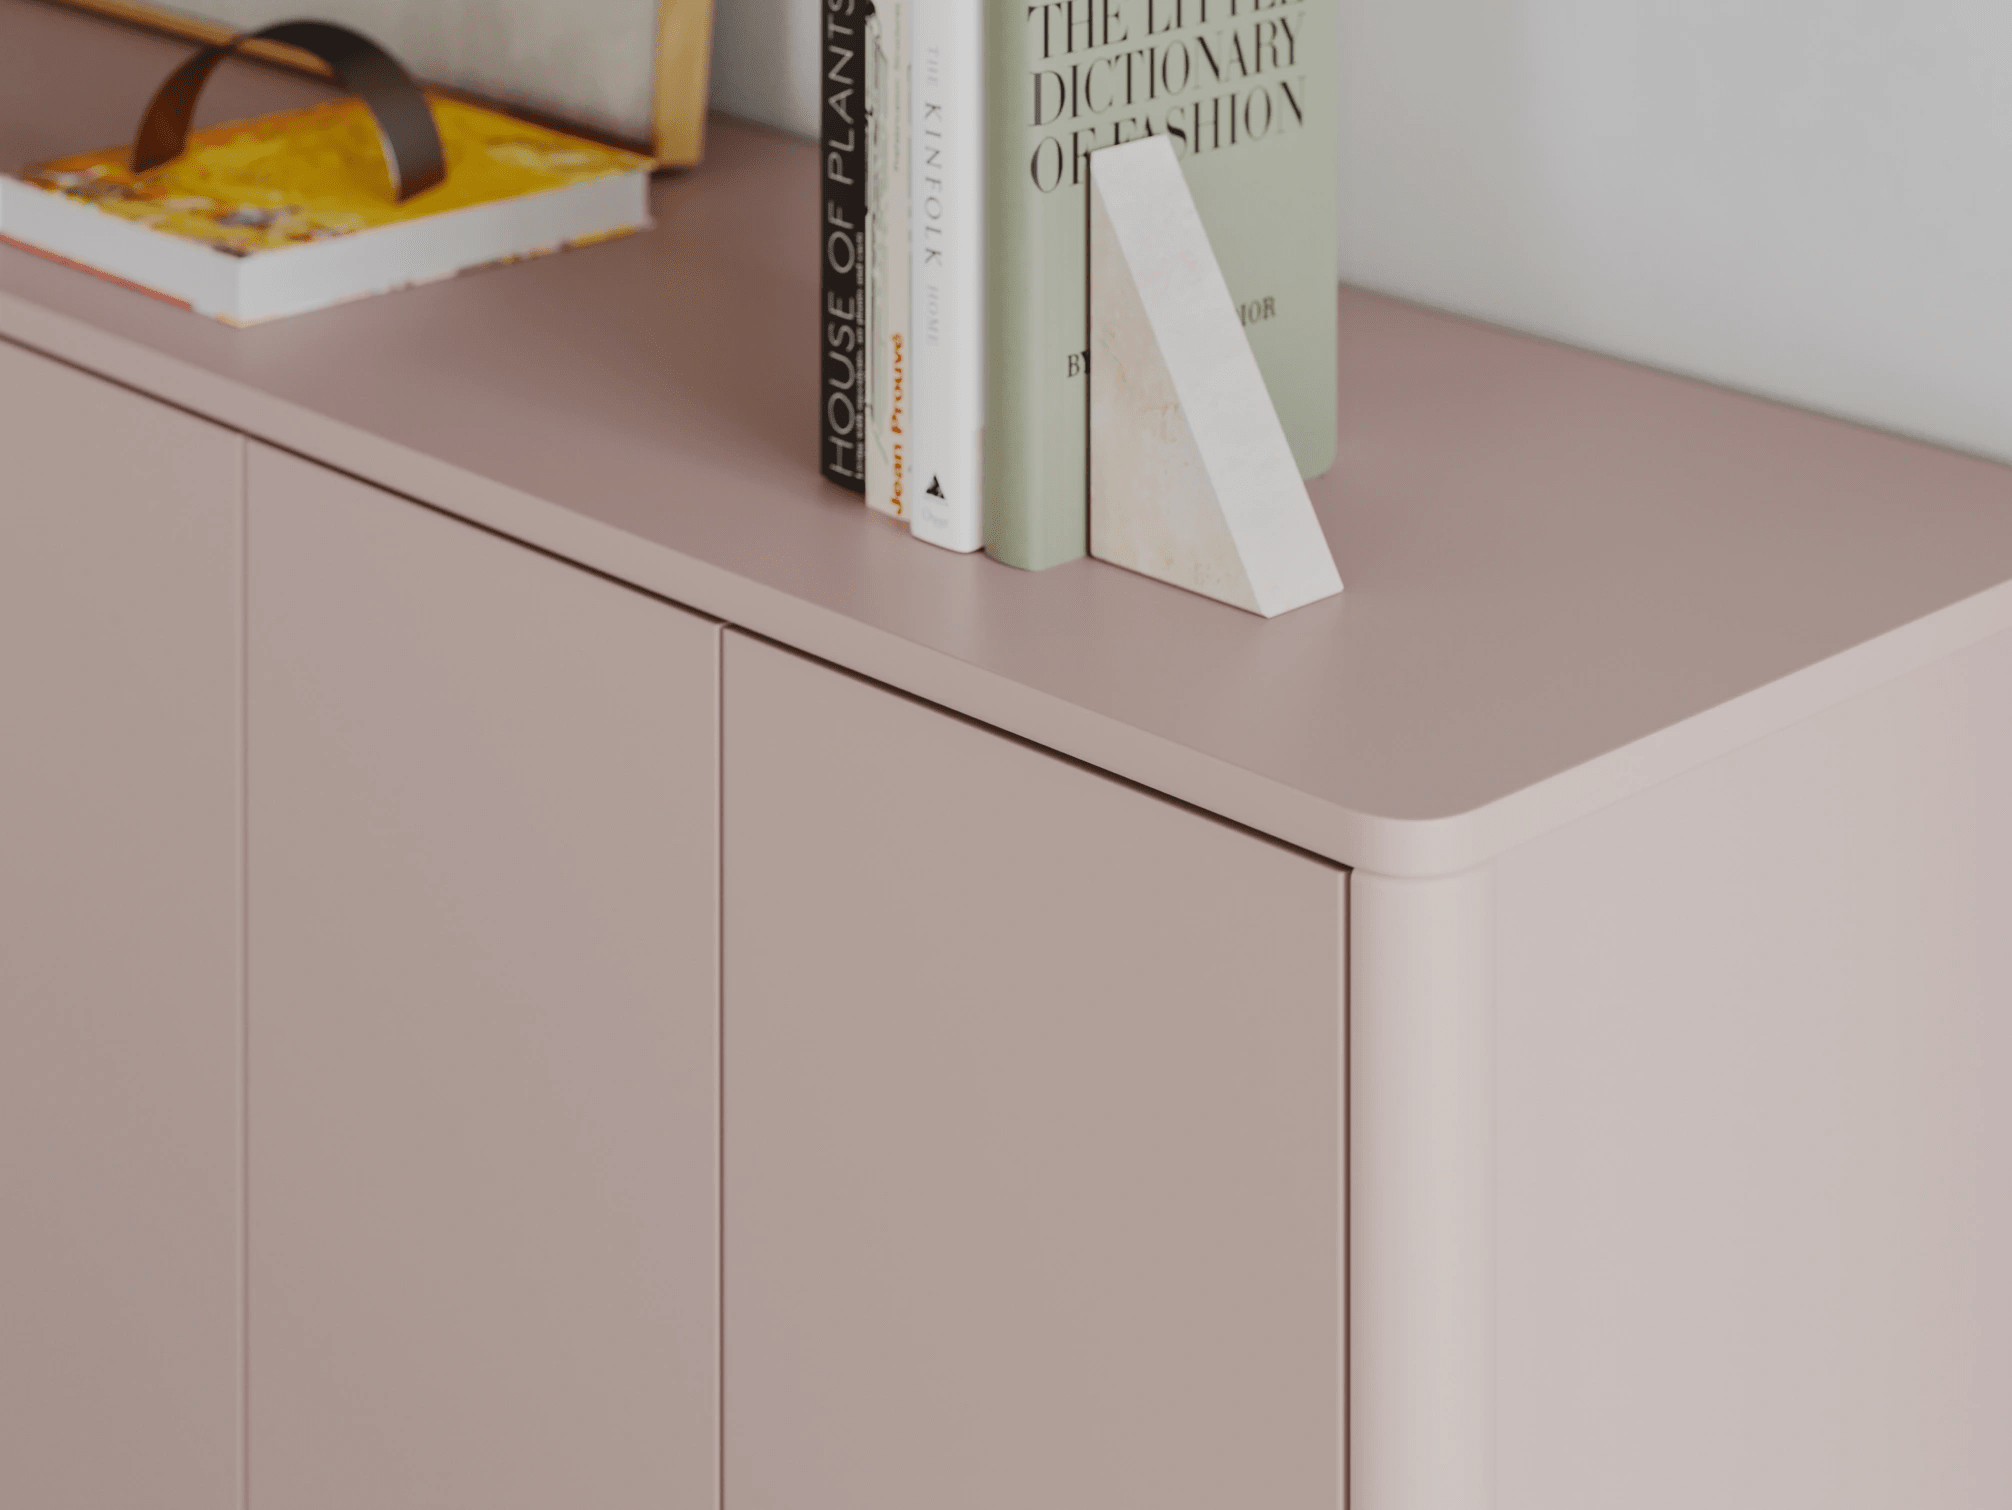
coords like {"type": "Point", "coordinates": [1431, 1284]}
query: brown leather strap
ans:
{"type": "Point", "coordinates": [405, 129]}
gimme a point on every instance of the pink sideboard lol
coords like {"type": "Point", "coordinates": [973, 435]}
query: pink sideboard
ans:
{"type": "Point", "coordinates": [372, 884]}
{"type": "Point", "coordinates": [547, 958]}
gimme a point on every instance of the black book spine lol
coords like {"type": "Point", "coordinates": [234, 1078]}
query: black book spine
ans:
{"type": "Point", "coordinates": [842, 422]}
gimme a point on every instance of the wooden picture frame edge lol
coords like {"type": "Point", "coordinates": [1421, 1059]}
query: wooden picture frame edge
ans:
{"type": "Point", "coordinates": [679, 100]}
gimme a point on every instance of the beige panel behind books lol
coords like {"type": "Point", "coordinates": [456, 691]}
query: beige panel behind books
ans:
{"type": "Point", "coordinates": [482, 1021]}
{"type": "Point", "coordinates": [120, 951]}
{"type": "Point", "coordinates": [681, 71]}
{"type": "Point", "coordinates": [1033, 1137]}
{"type": "Point", "coordinates": [177, 23]}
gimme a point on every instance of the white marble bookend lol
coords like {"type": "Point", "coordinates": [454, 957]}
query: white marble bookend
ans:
{"type": "Point", "coordinates": [1191, 478]}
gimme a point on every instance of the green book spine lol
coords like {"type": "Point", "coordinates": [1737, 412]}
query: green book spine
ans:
{"type": "Point", "coordinates": [1246, 91]}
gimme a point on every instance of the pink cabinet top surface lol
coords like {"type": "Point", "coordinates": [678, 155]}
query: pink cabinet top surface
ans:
{"type": "Point", "coordinates": [1567, 577]}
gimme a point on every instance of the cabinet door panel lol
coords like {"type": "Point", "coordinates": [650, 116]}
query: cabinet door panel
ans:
{"type": "Point", "coordinates": [1033, 1125]}
{"type": "Point", "coordinates": [483, 1012]}
{"type": "Point", "coordinates": [120, 957]}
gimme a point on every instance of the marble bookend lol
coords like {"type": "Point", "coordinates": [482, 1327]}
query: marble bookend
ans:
{"type": "Point", "coordinates": [1191, 478]}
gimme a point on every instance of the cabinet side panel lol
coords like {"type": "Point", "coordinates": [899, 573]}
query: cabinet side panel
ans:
{"type": "Point", "coordinates": [120, 957]}
{"type": "Point", "coordinates": [1754, 1170]}
{"type": "Point", "coordinates": [483, 1012]}
{"type": "Point", "coordinates": [1032, 1125]}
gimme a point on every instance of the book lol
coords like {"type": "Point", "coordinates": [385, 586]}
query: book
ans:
{"type": "Point", "coordinates": [887, 341]}
{"type": "Point", "coordinates": [291, 212]}
{"type": "Point", "coordinates": [842, 237]}
{"type": "Point", "coordinates": [947, 244]}
{"type": "Point", "coordinates": [1245, 90]}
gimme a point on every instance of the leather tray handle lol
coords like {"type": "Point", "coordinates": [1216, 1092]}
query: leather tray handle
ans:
{"type": "Point", "coordinates": [405, 128]}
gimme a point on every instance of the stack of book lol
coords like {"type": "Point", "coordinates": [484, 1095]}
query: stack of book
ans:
{"type": "Point", "coordinates": [955, 296]}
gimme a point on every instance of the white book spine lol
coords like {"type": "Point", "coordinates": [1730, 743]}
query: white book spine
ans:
{"type": "Point", "coordinates": [947, 241]}
{"type": "Point", "coordinates": [889, 375]}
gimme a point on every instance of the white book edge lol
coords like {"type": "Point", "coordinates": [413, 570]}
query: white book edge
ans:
{"type": "Point", "coordinates": [293, 280]}
{"type": "Point", "coordinates": [889, 380]}
{"type": "Point", "coordinates": [947, 285]}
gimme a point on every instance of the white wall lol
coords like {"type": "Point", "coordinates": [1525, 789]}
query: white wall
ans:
{"type": "Point", "coordinates": [1811, 199]}
{"type": "Point", "coordinates": [591, 61]}
{"type": "Point", "coordinates": [1807, 198]}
